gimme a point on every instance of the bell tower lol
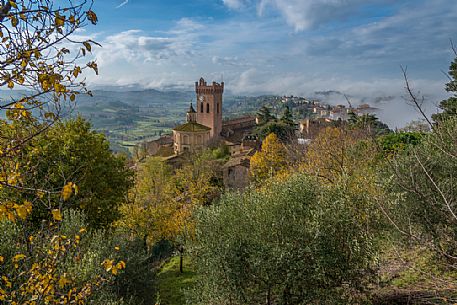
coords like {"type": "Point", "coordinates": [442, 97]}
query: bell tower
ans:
{"type": "Point", "coordinates": [209, 106]}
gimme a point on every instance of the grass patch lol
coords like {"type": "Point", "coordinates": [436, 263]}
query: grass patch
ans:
{"type": "Point", "coordinates": [172, 284]}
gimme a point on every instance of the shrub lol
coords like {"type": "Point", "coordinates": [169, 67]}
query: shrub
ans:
{"type": "Point", "coordinates": [70, 257]}
{"type": "Point", "coordinates": [424, 176]}
{"type": "Point", "coordinates": [294, 243]}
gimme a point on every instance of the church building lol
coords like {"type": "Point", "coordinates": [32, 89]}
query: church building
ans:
{"type": "Point", "coordinates": [204, 125]}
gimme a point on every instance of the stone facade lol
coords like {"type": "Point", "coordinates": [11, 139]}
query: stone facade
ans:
{"type": "Point", "coordinates": [190, 141]}
{"type": "Point", "coordinates": [310, 128]}
{"type": "Point", "coordinates": [191, 136]}
{"type": "Point", "coordinates": [236, 172]}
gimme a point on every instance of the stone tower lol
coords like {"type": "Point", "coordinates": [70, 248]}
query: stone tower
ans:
{"type": "Point", "coordinates": [209, 106]}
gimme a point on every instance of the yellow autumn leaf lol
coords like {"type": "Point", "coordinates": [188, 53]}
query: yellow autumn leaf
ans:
{"type": "Point", "coordinates": [13, 21]}
{"type": "Point", "coordinates": [114, 270]}
{"type": "Point", "coordinates": [6, 281]}
{"type": "Point", "coordinates": [60, 20]}
{"type": "Point", "coordinates": [76, 71]}
{"type": "Point", "coordinates": [57, 215]}
{"type": "Point", "coordinates": [67, 191]}
{"type": "Point", "coordinates": [76, 189]}
{"type": "Point", "coordinates": [108, 264]}
{"type": "Point", "coordinates": [63, 281]}
{"type": "Point", "coordinates": [2, 259]}
{"type": "Point", "coordinates": [92, 17]}
{"type": "Point", "coordinates": [20, 79]}
{"type": "Point", "coordinates": [21, 211]}
{"type": "Point", "coordinates": [120, 265]}
{"type": "Point", "coordinates": [18, 257]}
{"type": "Point", "coordinates": [88, 46]}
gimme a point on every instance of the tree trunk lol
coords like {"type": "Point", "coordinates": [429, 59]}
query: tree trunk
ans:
{"type": "Point", "coordinates": [145, 243]}
{"type": "Point", "coordinates": [181, 258]}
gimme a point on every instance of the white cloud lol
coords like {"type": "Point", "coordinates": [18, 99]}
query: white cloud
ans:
{"type": "Point", "coordinates": [125, 2]}
{"type": "Point", "coordinates": [305, 14]}
{"type": "Point", "coordinates": [233, 61]}
{"type": "Point", "coordinates": [137, 47]}
{"type": "Point", "coordinates": [266, 55]}
{"type": "Point", "coordinates": [388, 94]}
{"type": "Point", "coordinates": [185, 25]}
{"type": "Point", "coordinates": [235, 4]}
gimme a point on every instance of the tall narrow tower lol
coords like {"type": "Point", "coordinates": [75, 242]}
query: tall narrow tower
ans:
{"type": "Point", "coordinates": [209, 106]}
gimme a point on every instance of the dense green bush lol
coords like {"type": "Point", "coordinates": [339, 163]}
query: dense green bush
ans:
{"type": "Point", "coordinates": [71, 152]}
{"type": "Point", "coordinates": [295, 243]}
{"type": "Point", "coordinates": [394, 143]}
{"type": "Point", "coordinates": [425, 177]}
{"type": "Point", "coordinates": [284, 131]}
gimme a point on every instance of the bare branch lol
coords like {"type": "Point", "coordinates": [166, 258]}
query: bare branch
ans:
{"type": "Point", "coordinates": [453, 47]}
{"type": "Point", "coordinates": [5, 9]}
{"type": "Point", "coordinates": [413, 97]}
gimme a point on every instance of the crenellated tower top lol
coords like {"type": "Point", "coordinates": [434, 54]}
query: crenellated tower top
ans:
{"type": "Point", "coordinates": [201, 87]}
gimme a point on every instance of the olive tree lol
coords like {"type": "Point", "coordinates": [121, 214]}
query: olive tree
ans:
{"type": "Point", "coordinates": [293, 243]}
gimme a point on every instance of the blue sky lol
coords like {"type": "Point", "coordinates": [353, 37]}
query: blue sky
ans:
{"type": "Point", "coordinates": [279, 46]}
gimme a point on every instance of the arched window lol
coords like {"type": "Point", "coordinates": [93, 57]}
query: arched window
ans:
{"type": "Point", "coordinates": [185, 140]}
{"type": "Point", "coordinates": [201, 107]}
{"type": "Point", "coordinates": [207, 108]}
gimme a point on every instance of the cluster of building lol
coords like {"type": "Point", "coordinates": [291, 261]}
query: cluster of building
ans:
{"type": "Point", "coordinates": [204, 127]}
{"type": "Point", "coordinates": [326, 116]}
{"type": "Point", "coordinates": [340, 112]}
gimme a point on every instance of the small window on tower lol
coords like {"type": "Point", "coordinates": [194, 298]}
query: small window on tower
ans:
{"type": "Point", "coordinates": [217, 107]}
{"type": "Point", "coordinates": [207, 108]}
{"type": "Point", "coordinates": [201, 107]}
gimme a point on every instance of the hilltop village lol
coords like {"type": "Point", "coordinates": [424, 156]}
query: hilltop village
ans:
{"type": "Point", "coordinates": [241, 137]}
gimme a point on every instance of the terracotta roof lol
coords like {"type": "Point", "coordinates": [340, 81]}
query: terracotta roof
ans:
{"type": "Point", "coordinates": [237, 161]}
{"type": "Point", "coordinates": [239, 120]}
{"type": "Point", "coordinates": [166, 139]}
{"type": "Point", "coordinates": [238, 135]}
{"type": "Point", "coordinates": [191, 127]}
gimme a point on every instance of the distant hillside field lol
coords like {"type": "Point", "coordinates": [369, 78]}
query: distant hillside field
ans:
{"type": "Point", "coordinates": [128, 116]}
